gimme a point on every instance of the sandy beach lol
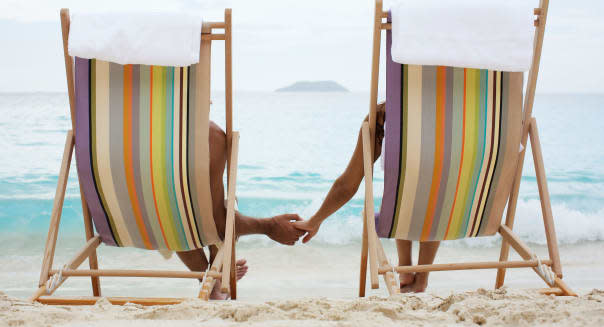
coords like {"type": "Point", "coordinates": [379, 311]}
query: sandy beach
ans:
{"type": "Point", "coordinates": [317, 285]}
{"type": "Point", "coordinates": [480, 307]}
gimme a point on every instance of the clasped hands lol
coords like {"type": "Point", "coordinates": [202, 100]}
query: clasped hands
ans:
{"type": "Point", "coordinates": [288, 228]}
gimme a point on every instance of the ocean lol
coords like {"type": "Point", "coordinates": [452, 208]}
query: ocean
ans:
{"type": "Point", "coordinates": [293, 146]}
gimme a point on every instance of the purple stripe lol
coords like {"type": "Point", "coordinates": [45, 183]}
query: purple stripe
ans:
{"type": "Point", "coordinates": [392, 142]}
{"type": "Point", "coordinates": [82, 145]}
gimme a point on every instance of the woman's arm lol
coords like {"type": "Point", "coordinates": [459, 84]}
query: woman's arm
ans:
{"type": "Point", "coordinates": [347, 184]}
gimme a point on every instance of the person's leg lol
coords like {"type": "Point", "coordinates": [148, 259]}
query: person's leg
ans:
{"type": "Point", "coordinates": [403, 248]}
{"type": "Point", "coordinates": [427, 253]}
{"type": "Point", "coordinates": [195, 260]}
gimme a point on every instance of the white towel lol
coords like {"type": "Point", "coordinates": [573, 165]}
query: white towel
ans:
{"type": "Point", "coordinates": [485, 34]}
{"type": "Point", "coordinates": [163, 39]}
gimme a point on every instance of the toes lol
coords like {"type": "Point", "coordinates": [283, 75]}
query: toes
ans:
{"type": "Point", "coordinates": [241, 268]}
{"type": "Point", "coordinates": [406, 279]}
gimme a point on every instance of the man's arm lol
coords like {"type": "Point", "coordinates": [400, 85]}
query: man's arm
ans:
{"type": "Point", "coordinates": [347, 184]}
{"type": "Point", "coordinates": [278, 228]}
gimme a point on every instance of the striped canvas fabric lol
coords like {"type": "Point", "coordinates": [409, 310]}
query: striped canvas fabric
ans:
{"type": "Point", "coordinates": [451, 146]}
{"type": "Point", "coordinates": [142, 153]}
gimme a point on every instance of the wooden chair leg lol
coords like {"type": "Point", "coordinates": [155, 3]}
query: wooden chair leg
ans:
{"type": "Point", "coordinates": [509, 220]}
{"type": "Point", "coordinates": [57, 209]}
{"type": "Point", "coordinates": [233, 281]}
{"type": "Point", "coordinates": [369, 215]}
{"type": "Point", "coordinates": [92, 259]}
{"type": "Point", "coordinates": [526, 254]}
{"type": "Point", "coordinates": [546, 206]}
{"type": "Point", "coordinates": [528, 109]}
{"type": "Point", "coordinates": [390, 276]}
{"type": "Point", "coordinates": [208, 285]}
{"type": "Point", "coordinates": [229, 237]}
{"type": "Point", "coordinates": [364, 253]}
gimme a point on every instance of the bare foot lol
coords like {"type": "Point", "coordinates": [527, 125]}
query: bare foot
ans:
{"type": "Point", "coordinates": [406, 279]}
{"type": "Point", "coordinates": [282, 230]}
{"type": "Point", "coordinates": [241, 269]}
{"type": "Point", "coordinates": [419, 285]}
{"type": "Point", "coordinates": [407, 287]}
{"type": "Point", "coordinates": [217, 294]}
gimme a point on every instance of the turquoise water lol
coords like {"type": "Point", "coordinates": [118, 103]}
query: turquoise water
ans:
{"type": "Point", "coordinates": [293, 146]}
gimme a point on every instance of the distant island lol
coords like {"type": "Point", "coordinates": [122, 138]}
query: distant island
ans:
{"type": "Point", "coordinates": [313, 86]}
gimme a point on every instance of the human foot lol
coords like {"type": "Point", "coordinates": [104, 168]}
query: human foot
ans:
{"type": "Point", "coordinates": [241, 268]}
{"type": "Point", "coordinates": [406, 279]}
{"type": "Point", "coordinates": [282, 230]}
{"type": "Point", "coordinates": [216, 293]}
{"type": "Point", "coordinates": [419, 285]}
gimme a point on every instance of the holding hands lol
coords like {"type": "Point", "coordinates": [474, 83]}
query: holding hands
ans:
{"type": "Point", "coordinates": [281, 229]}
{"type": "Point", "coordinates": [288, 228]}
{"type": "Point", "coordinates": [310, 227]}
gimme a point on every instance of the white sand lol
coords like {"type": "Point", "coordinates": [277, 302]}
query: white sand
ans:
{"type": "Point", "coordinates": [313, 285]}
{"type": "Point", "coordinates": [501, 307]}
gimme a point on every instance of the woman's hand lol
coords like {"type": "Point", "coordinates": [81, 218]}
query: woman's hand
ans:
{"type": "Point", "coordinates": [309, 226]}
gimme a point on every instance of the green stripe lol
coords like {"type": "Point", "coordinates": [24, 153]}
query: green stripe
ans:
{"type": "Point", "coordinates": [171, 187]}
{"type": "Point", "coordinates": [480, 143]}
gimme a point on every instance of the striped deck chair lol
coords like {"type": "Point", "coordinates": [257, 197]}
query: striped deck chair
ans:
{"type": "Point", "coordinates": [141, 140]}
{"type": "Point", "coordinates": [452, 162]}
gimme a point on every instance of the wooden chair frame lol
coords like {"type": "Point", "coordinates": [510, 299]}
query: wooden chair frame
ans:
{"type": "Point", "coordinates": [372, 247]}
{"type": "Point", "coordinates": [223, 266]}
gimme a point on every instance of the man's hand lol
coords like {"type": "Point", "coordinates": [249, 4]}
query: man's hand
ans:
{"type": "Point", "coordinates": [311, 228]}
{"type": "Point", "coordinates": [282, 229]}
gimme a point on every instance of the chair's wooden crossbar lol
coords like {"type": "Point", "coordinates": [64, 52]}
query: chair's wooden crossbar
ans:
{"type": "Point", "coordinates": [135, 273]}
{"type": "Point", "coordinates": [91, 300]}
{"type": "Point", "coordinates": [215, 25]}
{"type": "Point", "coordinates": [212, 37]}
{"type": "Point", "coordinates": [89, 250]}
{"type": "Point", "coordinates": [465, 266]}
{"type": "Point", "coordinates": [369, 246]}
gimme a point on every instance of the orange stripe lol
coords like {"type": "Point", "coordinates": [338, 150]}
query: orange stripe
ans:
{"type": "Point", "coordinates": [463, 141]}
{"type": "Point", "coordinates": [163, 234]}
{"type": "Point", "coordinates": [441, 85]}
{"type": "Point", "coordinates": [128, 162]}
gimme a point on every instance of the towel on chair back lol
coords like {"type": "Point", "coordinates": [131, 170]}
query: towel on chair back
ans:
{"type": "Point", "coordinates": [166, 39]}
{"type": "Point", "coordinates": [485, 34]}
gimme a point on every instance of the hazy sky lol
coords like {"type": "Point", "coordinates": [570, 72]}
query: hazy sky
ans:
{"type": "Point", "coordinates": [281, 41]}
